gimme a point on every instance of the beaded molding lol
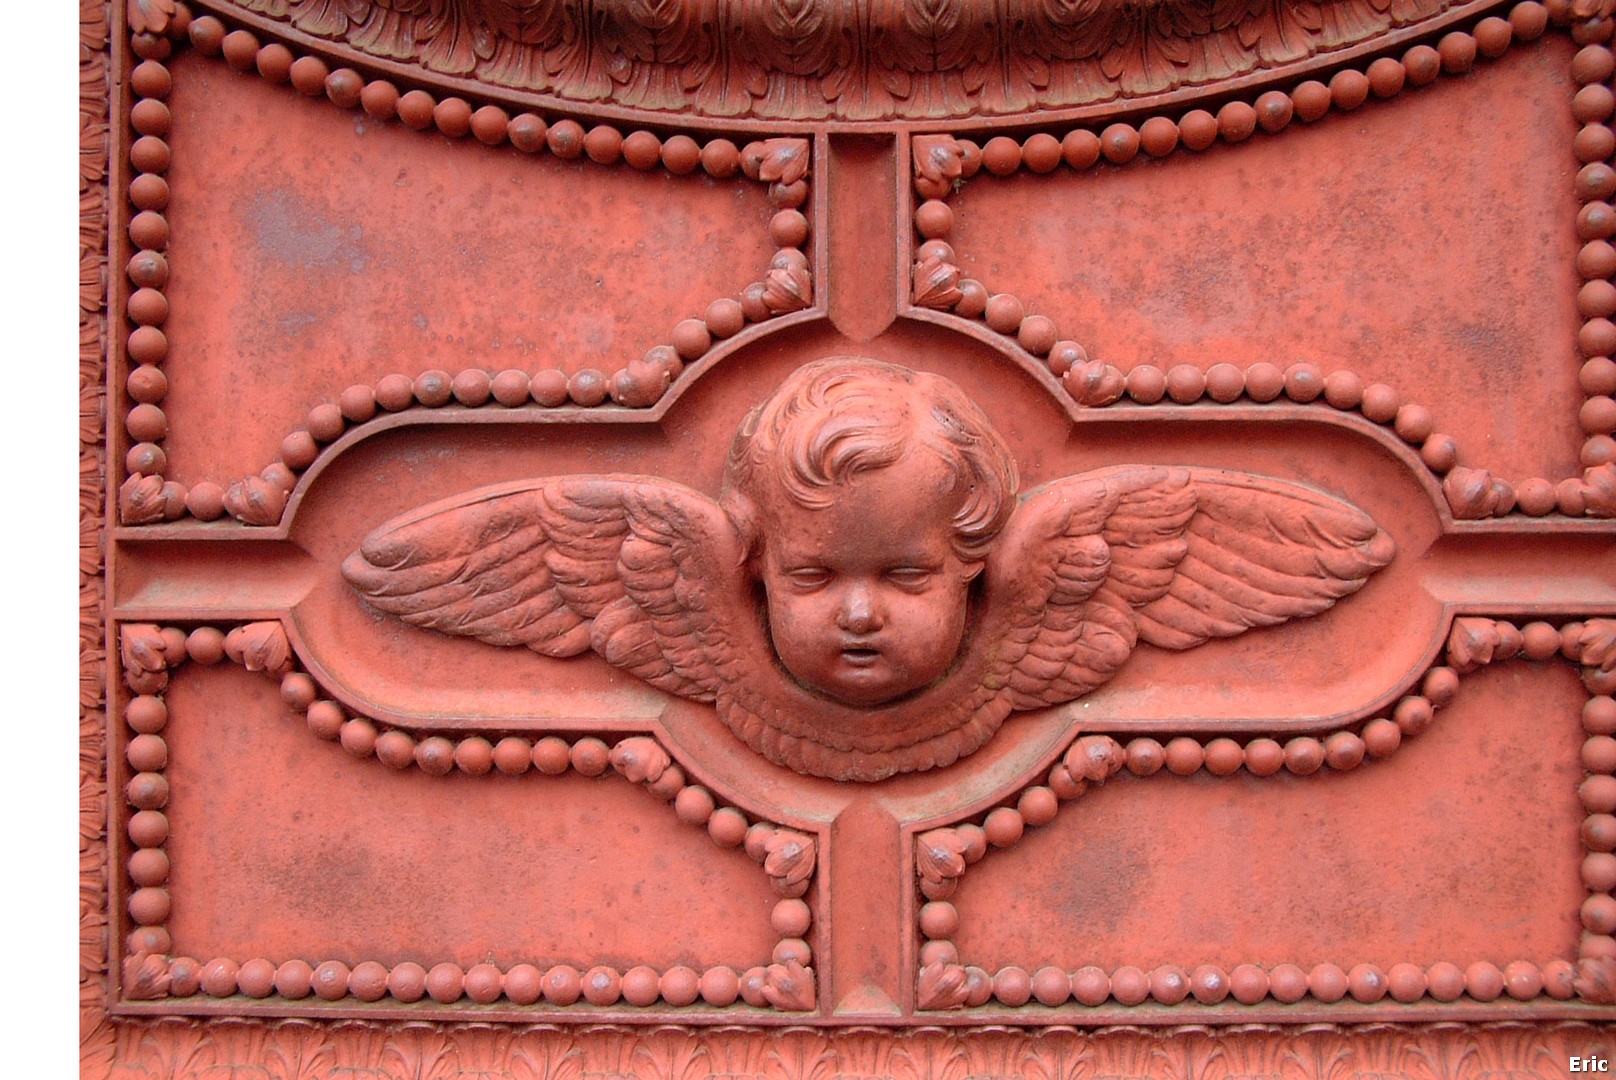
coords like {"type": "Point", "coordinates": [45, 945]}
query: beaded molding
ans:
{"type": "Point", "coordinates": [942, 855]}
{"type": "Point", "coordinates": [942, 162]}
{"type": "Point", "coordinates": [146, 497]}
{"type": "Point", "coordinates": [151, 971]}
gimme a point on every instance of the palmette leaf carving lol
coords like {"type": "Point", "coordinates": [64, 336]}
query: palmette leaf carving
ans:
{"type": "Point", "coordinates": [655, 578]}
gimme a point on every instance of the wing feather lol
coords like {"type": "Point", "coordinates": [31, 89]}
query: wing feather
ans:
{"type": "Point", "coordinates": [1092, 564]}
{"type": "Point", "coordinates": [628, 566]}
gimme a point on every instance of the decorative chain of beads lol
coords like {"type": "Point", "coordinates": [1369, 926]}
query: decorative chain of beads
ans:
{"type": "Point", "coordinates": [942, 855]}
{"type": "Point", "coordinates": [146, 497]}
{"type": "Point", "coordinates": [149, 652]}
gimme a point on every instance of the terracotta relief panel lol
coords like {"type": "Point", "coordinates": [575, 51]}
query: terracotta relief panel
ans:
{"type": "Point", "coordinates": [762, 540]}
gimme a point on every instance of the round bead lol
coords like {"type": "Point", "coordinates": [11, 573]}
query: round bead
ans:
{"type": "Point", "coordinates": [395, 749]}
{"type": "Point", "coordinates": [147, 791]}
{"type": "Point", "coordinates": [1599, 754]}
{"type": "Point", "coordinates": [1349, 89]}
{"type": "Point", "coordinates": [1493, 36]}
{"type": "Point", "coordinates": [1146, 384]}
{"type": "Point", "coordinates": [938, 919]}
{"type": "Point", "coordinates": [1209, 984]}
{"type": "Point", "coordinates": [1598, 376]}
{"type": "Point", "coordinates": [325, 719]}
{"type": "Point", "coordinates": [589, 386]}
{"type": "Point", "coordinates": [724, 317]}
{"type": "Point", "coordinates": [148, 307]}
{"type": "Point", "coordinates": [1405, 982]}
{"type": "Point", "coordinates": [1595, 142]}
{"type": "Point", "coordinates": [483, 983]}
{"type": "Point", "coordinates": [185, 976]}
{"type": "Point", "coordinates": [720, 159]}
{"type": "Point", "coordinates": [933, 218]}
{"type": "Point", "coordinates": [1003, 827]}
{"type": "Point", "coordinates": [565, 138]}
{"type": "Point", "coordinates": [407, 982]}
{"type": "Point", "coordinates": [1599, 914]}
{"type": "Point", "coordinates": [1274, 110]}
{"type": "Point", "coordinates": [433, 388]}
{"type": "Point", "coordinates": [355, 405]}
{"type": "Point", "coordinates": [728, 827]}
{"type": "Point", "coordinates": [1287, 983]}
{"type": "Point", "coordinates": [207, 34]}
{"type": "Point", "coordinates": [550, 388]}
{"type": "Point", "coordinates": [445, 983]}
{"type": "Point", "coordinates": [345, 88]}
{"type": "Point", "coordinates": [1041, 153]}
{"type": "Point", "coordinates": [1248, 984]}
{"type": "Point", "coordinates": [1158, 136]}
{"type": "Point", "coordinates": [1379, 403]}
{"type": "Point", "coordinates": [395, 392]}
{"type": "Point", "coordinates": [1483, 981]}
{"type": "Point", "coordinates": [1440, 453]}
{"type": "Point", "coordinates": [550, 755]}
{"type": "Point", "coordinates": [1224, 383]}
{"type": "Point", "coordinates": [367, 981]}
{"type": "Point", "coordinates": [1595, 181]}
{"type": "Point", "coordinates": [379, 99]}
{"type": "Point", "coordinates": [471, 387]}
{"type": "Point", "coordinates": [1037, 334]}
{"type": "Point", "coordinates": [358, 737]}
{"type": "Point", "coordinates": [1264, 757]}
{"type": "Point", "coordinates": [1004, 313]}
{"type": "Point", "coordinates": [524, 984]}
{"type": "Point", "coordinates": [298, 450]}
{"type": "Point", "coordinates": [527, 132]}
{"type": "Point", "coordinates": [1343, 390]}
{"type": "Point", "coordinates": [691, 338]}
{"type": "Point", "coordinates": [1444, 981]}
{"type": "Point", "coordinates": [1423, 65]}
{"type": "Point", "coordinates": [1145, 757]}
{"type": "Point", "coordinates": [148, 191]}
{"type": "Point", "coordinates": [1381, 738]}
{"type": "Point", "coordinates": [1184, 756]}
{"type": "Point", "coordinates": [1598, 793]}
{"type": "Point", "coordinates": [1366, 983]}
{"type": "Point", "coordinates": [1119, 143]}
{"type": "Point", "coordinates": [1038, 806]}
{"type": "Point", "coordinates": [509, 388]}
{"type": "Point", "coordinates": [1304, 382]}
{"type": "Point", "coordinates": [1130, 985]}
{"type": "Point", "coordinates": [218, 977]}
{"type": "Point", "coordinates": [720, 986]}
{"type": "Point", "coordinates": [1343, 751]}
{"type": "Point", "coordinates": [150, 154]}
{"type": "Point", "coordinates": [149, 229]}
{"type": "Point", "coordinates": [1311, 99]}
{"type": "Point", "coordinates": [680, 155]}
{"type": "Point", "coordinates": [1458, 51]}
{"type": "Point", "coordinates": [1051, 986]}
{"type": "Point", "coordinates": [590, 756]}
{"type": "Point", "coordinates": [1169, 985]}
{"type": "Point", "coordinates": [274, 62]}
{"type": "Point", "coordinates": [1328, 983]}
{"type": "Point", "coordinates": [146, 714]}
{"type": "Point", "coordinates": [602, 986]}
{"type": "Point", "coordinates": [1264, 381]}
{"type": "Point", "coordinates": [1599, 715]}
{"type": "Point", "coordinates": [1198, 129]}
{"type": "Point", "coordinates": [562, 985]}
{"type": "Point", "coordinates": [1224, 757]}
{"type": "Point", "coordinates": [1599, 871]}
{"type": "Point", "coordinates": [1539, 641]}
{"type": "Point", "coordinates": [149, 906]}
{"type": "Point", "coordinates": [1597, 415]}
{"type": "Point", "coordinates": [1081, 149]}
{"type": "Point", "coordinates": [330, 980]}
{"type": "Point", "coordinates": [205, 501]}
{"type": "Point", "coordinates": [1592, 64]}
{"type": "Point", "coordinates": [1386, 77]}
{"type": "Point", "coordinates": [973, 300]}
{"type": "Point", "coordinates": [1001, 156]}
{"type": "Point", "coordinates": [146, 753]}
{"type": "Point", "coordinates": [1185, 383]}
{"type": "Point", "coordinates": [694, 805]}
{"type": "Point", "coordinates": [1012, 986]}
{"type": "Point", "coordinates": [1091, 986]}
{"type": "Point", "coordinates": [1523, 980]}
{"type": "Point", "coordinates": [1529, 19]}
{"type": "Point", "coordinates": [1304, 756]}
{"type": "Point", "coordinates": [416, 109]}
{"type": "Point", "coordinates": [240, 49]}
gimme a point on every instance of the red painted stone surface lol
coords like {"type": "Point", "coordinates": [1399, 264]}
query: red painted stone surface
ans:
{"type": "Point", "coordinates": [453, 703]}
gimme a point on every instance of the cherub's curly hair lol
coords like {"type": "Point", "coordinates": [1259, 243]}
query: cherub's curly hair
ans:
{"type": "Point", "coordinates": [823, 426]}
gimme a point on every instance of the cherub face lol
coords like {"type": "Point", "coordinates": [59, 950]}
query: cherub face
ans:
{"type": "Point", "coordinates": [867, 597]}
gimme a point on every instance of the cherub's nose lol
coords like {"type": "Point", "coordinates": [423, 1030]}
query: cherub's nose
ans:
{"type": "Point", "coordinates": [858, 612]}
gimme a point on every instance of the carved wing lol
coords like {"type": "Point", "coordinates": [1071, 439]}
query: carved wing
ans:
{"type": "Point", "coordinates": [1091, 565]}
{"type": "Point", "coordinates": [642, 571]}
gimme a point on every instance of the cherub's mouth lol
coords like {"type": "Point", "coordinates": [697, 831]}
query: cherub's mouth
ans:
{"type": "Point", "coordinates": [861, 657]}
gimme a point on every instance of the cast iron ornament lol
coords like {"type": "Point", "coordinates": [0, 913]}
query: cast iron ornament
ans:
{"type": "Point", "coordinates": [867, 596]}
